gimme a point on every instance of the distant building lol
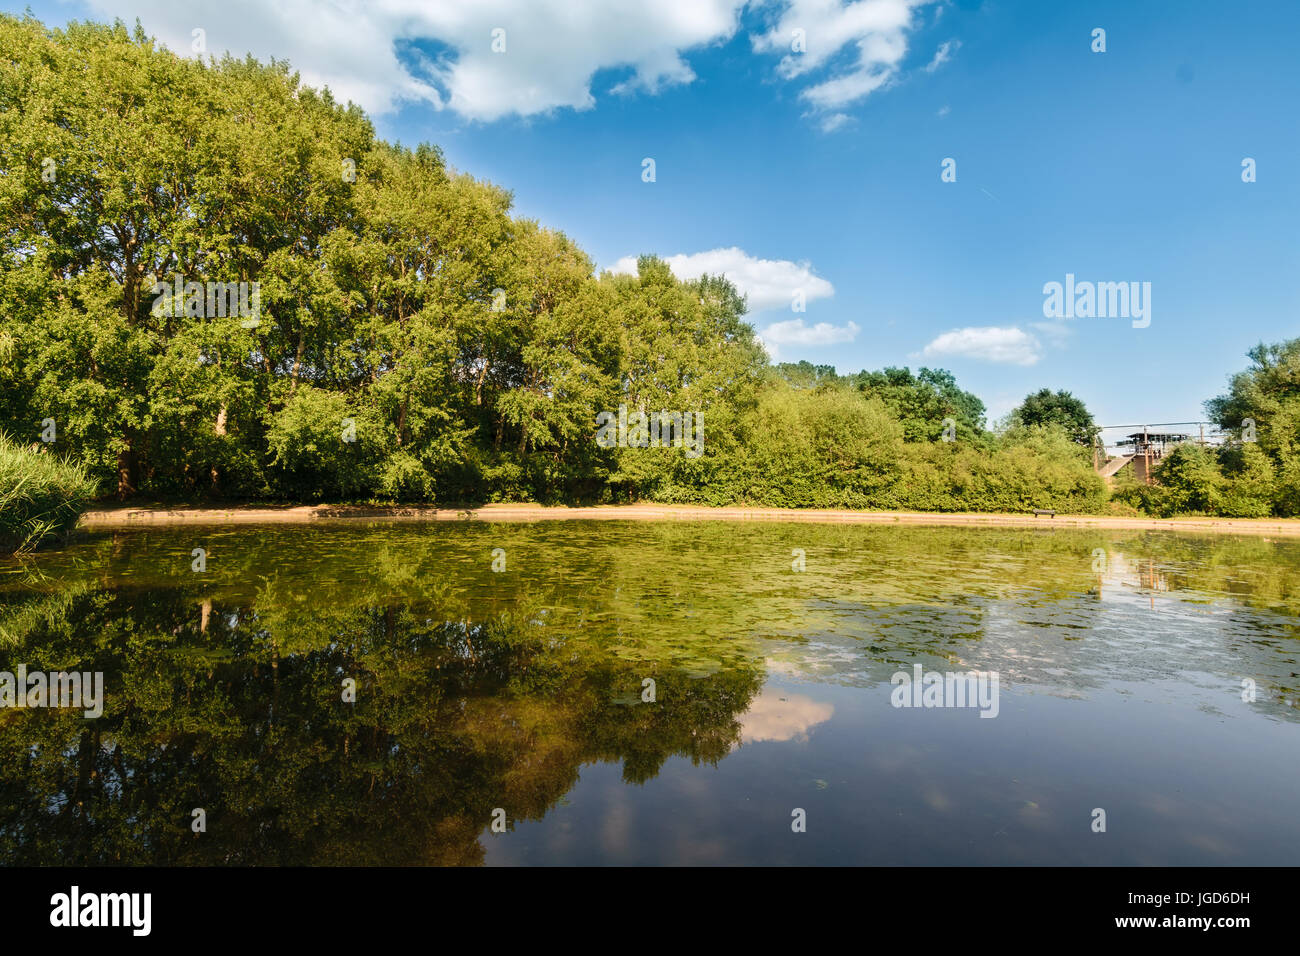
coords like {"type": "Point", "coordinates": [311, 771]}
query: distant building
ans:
{"type": "Point", "coordinates": [1153, 443]}
{"type": "Point", "coordinates": [1148, 448]}
{"type": "Point", "coordinates": [1145, 449]}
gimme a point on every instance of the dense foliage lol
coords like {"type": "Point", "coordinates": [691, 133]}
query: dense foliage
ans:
{"type": "Point", "coordinates": [1045, 407]}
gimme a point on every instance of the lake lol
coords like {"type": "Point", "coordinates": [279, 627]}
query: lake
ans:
{"type": "Point", "coordinates": [677, 692]}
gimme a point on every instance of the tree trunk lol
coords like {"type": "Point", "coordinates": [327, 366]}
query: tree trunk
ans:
{"type": "Point", "coordinates": [297, 364]}
{"type": "Point", "coordinates": [125, 474]}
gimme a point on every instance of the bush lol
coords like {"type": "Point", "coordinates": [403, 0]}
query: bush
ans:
{"type": "Point", "coordinates": [834, 447]}
{"type": "Point", "coordinates": [40, 496]}
{"type": "Point", "coordinates": [1234, 481]}
{"type": "Point", "coordinates": [828, 448]}
{"type": "Point", "coordinates": [1026, 468]}
{"type": "Point", "coordinates": [1250, 482]}
{"type": "Point", "coordinates": [322, 447]}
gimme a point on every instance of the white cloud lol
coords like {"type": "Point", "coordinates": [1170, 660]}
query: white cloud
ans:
{"type": "Point", "coordinates": [833, 122]}
{"type": "Point", "coordinates": [1008, 345]}
{"type": "Point", "coordinates": [943, 55]}
{"type": "Point", "coordinates": [944, 110]}
{"type": "Point", "coordinates": [795, 332]}
{"type": "Point", "coordinates": [766, 283]}
{"type": "Point", "coordinates": [876, 29]}
{"type": "Point", "coordinates": [553, 47]}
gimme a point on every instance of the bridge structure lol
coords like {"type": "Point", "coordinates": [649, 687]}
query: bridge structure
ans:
{"type": "Point", "coordinates": [1142, 446]}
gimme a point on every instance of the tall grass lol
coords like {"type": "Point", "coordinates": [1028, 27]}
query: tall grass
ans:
{"type": "Point", "coordinates": [40, 496]}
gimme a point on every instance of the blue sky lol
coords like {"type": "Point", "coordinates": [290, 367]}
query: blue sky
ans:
{"type": "Point", "coordinates": [821, 169]}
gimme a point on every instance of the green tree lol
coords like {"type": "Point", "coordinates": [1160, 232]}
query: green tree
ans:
{"type": "Point", "coordinates": [1189, 481]}
{"type": "Point", "coordinates": [1046, 407]}
{"type": "Point", "coordinates": [923, 401]}
{"type": "Point", "coordinates": [1250, 481]}
{"type": "Point", "coordinates": [1262, 405]}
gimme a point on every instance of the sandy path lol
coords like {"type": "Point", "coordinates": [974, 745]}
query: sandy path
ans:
{"type": "Point", "coordinates": [296, 514]}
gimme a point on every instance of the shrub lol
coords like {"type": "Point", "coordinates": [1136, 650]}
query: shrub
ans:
{"type": "Point", "coordinates": [40, 496]}
{"type": "Point", "coordinates": [1249, 475]}
{"type": "Point", "coordinates": [1188, 481]}
{"type": "Point", "coordinates": [324, 448]}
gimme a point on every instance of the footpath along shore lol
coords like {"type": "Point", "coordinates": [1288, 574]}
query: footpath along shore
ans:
{"type": "Point", "coordinates": [127, 516]}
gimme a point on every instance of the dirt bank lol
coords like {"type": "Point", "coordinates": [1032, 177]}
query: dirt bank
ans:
{"type": "Point", "coordinates": [297, 514]}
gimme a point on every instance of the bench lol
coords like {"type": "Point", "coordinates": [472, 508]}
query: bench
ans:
{"type": "Point", "coordinates": [1039, 512]}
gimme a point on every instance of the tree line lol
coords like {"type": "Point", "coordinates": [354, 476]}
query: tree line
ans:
{"type": "Point", "coordinates": [407, 337]}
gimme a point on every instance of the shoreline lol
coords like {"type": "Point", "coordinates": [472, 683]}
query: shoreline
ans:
{"type": "Point", "coordinates": [156, 516]}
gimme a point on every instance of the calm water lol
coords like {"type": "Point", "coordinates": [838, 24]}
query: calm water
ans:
{"type": "Point", "coordinates": [1119, 688]}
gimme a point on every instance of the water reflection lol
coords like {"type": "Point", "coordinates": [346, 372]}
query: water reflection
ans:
{"type": "Point", "coordinates": [525, 691]}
